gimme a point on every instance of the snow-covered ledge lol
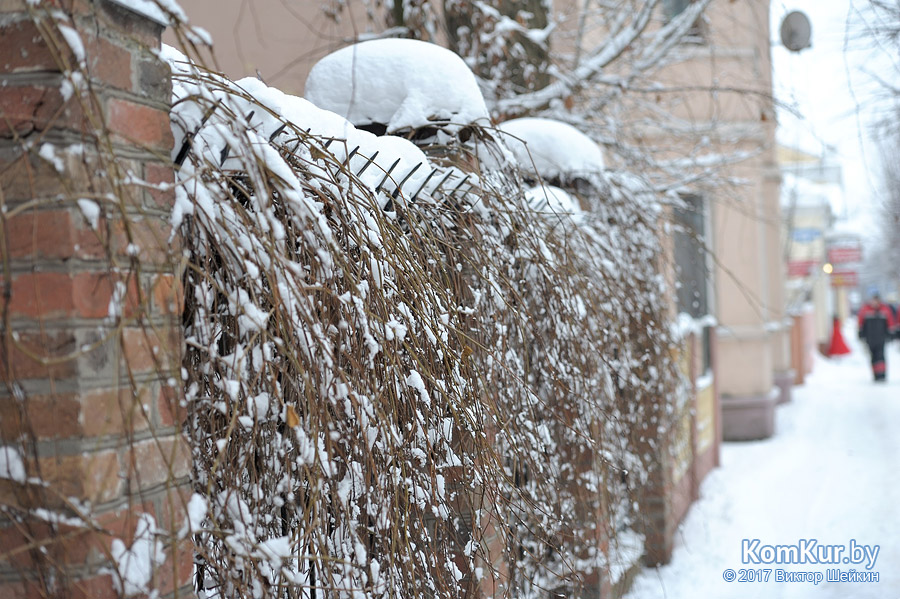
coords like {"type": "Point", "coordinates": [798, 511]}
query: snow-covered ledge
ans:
{"type": "Point", "coordinates": [158, 11]}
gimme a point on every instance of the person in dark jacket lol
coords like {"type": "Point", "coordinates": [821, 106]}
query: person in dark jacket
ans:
{"type": "Point", "coordinates": [876, 326]}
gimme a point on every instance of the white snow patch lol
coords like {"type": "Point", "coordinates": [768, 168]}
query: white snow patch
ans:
{"type": "Point", "coordinates": [12, 466]}
{"type": "Point", "coordinates": [275, 550]}
{"type": "Point", "coordinates": [116, 305]}
{"type": "Point", "coordinates": [552, 148]}
{"type": "Point", "coordinates": [685, 324]}
{"type": "Point", "coordinates": [136, 564]}
{"type": "Point", "coordinates": [415, 381]}
{"type": "Point", "coordinates": [625, 551]}
{"type": "Point", "coordinates": [197, 508]}
{"type": "Point", "coordinates": [74, 41]}
{"type": "Point", "coordinates": [548, 198]}
{"type": "Point", "coordinates": [73, 82]}
{"type": "Point", "coordinates": [91, 211]}
{"type": "Point", "coordinates": [48, 153]}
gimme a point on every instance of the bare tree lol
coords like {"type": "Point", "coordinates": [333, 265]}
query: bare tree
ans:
{"type": "Point", "coordinates": [890, 209]}
{"type": "Point", "coordinates": [595, 64]}
{"type": "Point", "coordinates": [878, 24]}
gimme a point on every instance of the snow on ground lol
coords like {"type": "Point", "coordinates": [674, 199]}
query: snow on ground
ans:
{"type": "Point", "coordinates": [830, 473]}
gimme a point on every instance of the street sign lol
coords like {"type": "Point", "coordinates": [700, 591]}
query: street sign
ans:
{"type": "Point", "coordinates": [849, 254]}
{"type": "Point", "coordinates": [805, 234]}
{"type": "Point", "coordinates": [800, 268]}
{"type": "Point", "coordinates": [845, 278]}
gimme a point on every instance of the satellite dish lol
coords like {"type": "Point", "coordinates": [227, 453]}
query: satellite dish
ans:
{"type": "Point", "coordinates": [796, 31]}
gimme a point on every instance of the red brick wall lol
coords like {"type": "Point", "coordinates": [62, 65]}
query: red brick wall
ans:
{"type": "Point", "coordinates": [90, 402]}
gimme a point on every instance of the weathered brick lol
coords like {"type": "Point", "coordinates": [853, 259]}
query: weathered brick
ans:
{"type": "Point", "coordinates": [23, 48]}
{"type": "Point", "coordinates": [177, 570]}
{"type": "Point", "coordinates": [25, 109]}
{"type": "Point", "coordinates": [25, 176]}
{"type": "Point", "coordinates": [153, 78]}
{"type": "Point", "coordinates": [94, 587]}
{"type": "Point", "coordinates": [122, 523]}
{"type": "Point", "coordinates": [157, 461]}
{"type": "Point", "coordinates": [156, 173]}
{"type": "Point", "coordinates": [94, 477]}
{"type": "Point", "coordinates": [37, 234]}
{"type": "Point", "coordinates": [61, 543]}
{"type": "Point", "coordinates": [146, 349]}
{"type": "Point", "coordinates": [61, 293]}
{"type": "Point", "coordinates": [169, 408]}
{"type": "Point", "coordinates": [167, 294]}
{"type": "Point", "coordinates": [149, 237]}
{"type": "Point", "coordinates": [44, 417]}
{"type": "Point", "coordinates": [116, 411]}
{"type": "Point", "coordinates": [139, 124]}
{"type": "Point", "coordinates": [109, 63]}
{"type": "Point", "coordinates": [39, 355]}
{"type": "Point", "coordinates": [43, 295]}
{"type": "Point", "coordinates": [127, 23]}
{"type": "Point", "coordinates": [65, 545]}
{"type": "Point", "coordinates": [9, 6]}
{"type": "Point", "coordinates": [49, 234]}
{"type": "Point", "coordinates": [70, 6]}
{"type": "Point", "coordinates": [15, 589]}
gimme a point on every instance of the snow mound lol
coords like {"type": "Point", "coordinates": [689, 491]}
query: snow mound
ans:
{"type": "Point", "coordinates": [404, 84]}
{"type": "Point", "coordinates": [552, 148]}
{"type": "Point", "coordinates": [548, 198]}
{"type": "Point", "coordinates": [384, 162]}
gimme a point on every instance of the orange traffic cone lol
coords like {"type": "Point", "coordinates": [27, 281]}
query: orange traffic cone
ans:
{"type": "Point", "coordinates": [837, 347]}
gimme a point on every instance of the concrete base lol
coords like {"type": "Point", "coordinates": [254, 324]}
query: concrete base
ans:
{"type": "Point", "coordinates": [785, 381]}
{"type": "Point", "coordinates": [745, 418]}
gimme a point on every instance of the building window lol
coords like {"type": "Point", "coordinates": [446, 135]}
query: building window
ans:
{"type": "Point", "coordinates": [692, 266]}
{"type": "Point", "coordinates": [673, 8]}
{"type": "Point", "coordinates": [697, 32]}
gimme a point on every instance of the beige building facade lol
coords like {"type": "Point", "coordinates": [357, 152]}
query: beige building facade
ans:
{"type": "Point", "coordinates": [726, 110]}
{"type": "Point", "coordinates": [714, 118]}
{"type": "Point", "coordinates": [275, 40]}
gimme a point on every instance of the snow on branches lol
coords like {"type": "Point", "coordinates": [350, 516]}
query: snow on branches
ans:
{"type": "Point", "coordinates": [406, 376]}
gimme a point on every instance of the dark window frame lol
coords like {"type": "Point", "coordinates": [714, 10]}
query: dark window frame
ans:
{"type": "Point", "coordinates": [690, 254]}
{"type": "Point", "coordinates": [697, 33]}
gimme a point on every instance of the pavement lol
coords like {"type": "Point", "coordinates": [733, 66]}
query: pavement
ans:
{"type": "Point", "coordinates": [830, 474]}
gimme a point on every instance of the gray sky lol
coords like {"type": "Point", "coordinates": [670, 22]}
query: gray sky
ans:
{"type": "Point", "coordinates": [831, 87]}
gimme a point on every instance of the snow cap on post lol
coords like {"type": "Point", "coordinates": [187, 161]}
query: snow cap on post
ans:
{"type": "Point", "coordinates": [552, 149]}
{"type": "Point", "coordinates": [400, 83]}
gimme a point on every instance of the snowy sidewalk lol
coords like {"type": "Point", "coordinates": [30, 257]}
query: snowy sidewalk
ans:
{"type": "Point", "coordinates": [830, 473]}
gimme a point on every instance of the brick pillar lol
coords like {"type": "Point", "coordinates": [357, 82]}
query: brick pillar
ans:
{"type": "Point", "coordinates": [655, 498]}
{"type": "Point", "coordinates": [653, 442]}
{"type": "Point", "coordinates": [90, 336]}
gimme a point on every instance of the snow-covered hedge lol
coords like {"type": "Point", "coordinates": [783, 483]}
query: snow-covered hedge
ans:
{"type": "Point", "coordinates": [403, 379]}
